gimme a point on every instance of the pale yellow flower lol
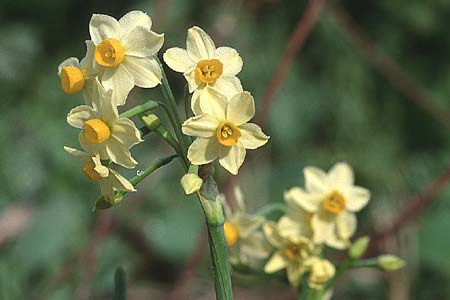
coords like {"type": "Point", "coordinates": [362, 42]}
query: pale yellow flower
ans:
{"type": "Point", "coordinates": [246, 243]}
{"type": "Point", "coordinates": [108, 179]}
{"type": "Point", "coordinates": [320, 272]}
{"type": "Point", "coordinates": [222, 131]}
{"type": "Point", "coordinates": [333, 199]}
{"type": "Point", "coordinates": [124, 52]}
{"type": "Point", "coordinates": [205, 67]}
{"type": "Point", "coordinates": [104, 133]}
{"type": "Point", "coordinates": [79, 75]}
{"type": "Point", "coordinates": [292, 253]}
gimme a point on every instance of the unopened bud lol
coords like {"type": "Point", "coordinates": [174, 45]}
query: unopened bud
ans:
{"type": "Point", "coordinates": [359, 247]}
{"type": "Point", "coordinates": [191, 183]}
{"type": "Point", "coordinates": [390, 263]}
{"type": "Point", "coordinates": [151, 121]}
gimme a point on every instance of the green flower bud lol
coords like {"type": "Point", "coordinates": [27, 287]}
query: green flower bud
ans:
{"type": "Point", "coordinates": [390, 263]}
{"type": "Point", "coordinates": [359, 248]}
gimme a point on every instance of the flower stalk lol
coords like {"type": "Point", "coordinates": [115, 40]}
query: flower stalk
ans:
{"type": "Point", "coordinates": [139, 109]}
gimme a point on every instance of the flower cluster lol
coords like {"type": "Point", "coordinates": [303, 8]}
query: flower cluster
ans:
{"type": "Point", "coordinates": [322, 214]}
{"type": "Point", "coordinates": [221, 108]}
{"type": "Point", "coordinates": [120, 55]}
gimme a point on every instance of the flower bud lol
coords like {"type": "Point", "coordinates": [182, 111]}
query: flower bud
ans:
{"type": "Point", "coordinates": [191, 183]}
{"type": "Point", "coordinates": [359, 247]}
{"type": "Point", "coordinates": [321, 271]}
{"type": "Point", "coordinates": [151, 121]}
{"type": "Point", "coordinates": [390, 263]}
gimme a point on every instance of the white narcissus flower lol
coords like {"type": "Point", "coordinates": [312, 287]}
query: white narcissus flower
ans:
{"type": "Point", "coordinates": [103, 131]}
{"type": "Point", "coordinates": [108, 179]}
{"type": "Point", "coordinates": [292, 253]}
{"type": "Point", "coordinates": [246, 243]}
{"type": "Point", "coordinates": [222, 131]}
{"type": "Point", "coordinates": [124, 52]}
{"type": "Point", "coordinates": [204, 66]}
{"type": "Point", "coordinates": [333, 199]}
{"type": "Point", "coordinates": [78, 75]}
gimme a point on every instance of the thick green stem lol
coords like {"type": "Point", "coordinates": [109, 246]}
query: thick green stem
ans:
{"type": "Point", "coordinates": [139, 109]}
{"type": "Point", "coordinates": [158, 164]}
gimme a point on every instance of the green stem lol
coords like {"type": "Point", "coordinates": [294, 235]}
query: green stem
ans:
{"type": "Point", "coordinates": [158, 164]}
{"type": "Point", "coordinates": [139, 109]}
{"type": "Point", "coordinates": [120, 285]}
{"type": "Point", "coordinates": [365, 263]}
{"type": "Point", "coordinates": [173, 115]}
{"type": "Point", "coordinates": [269, 209]}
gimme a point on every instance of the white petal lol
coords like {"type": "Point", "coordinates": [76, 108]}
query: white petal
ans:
{"type": "Point", "coordinates": [102, 100]}
{"type": "Point", "coordinates": [213, 103]}
{"type": "Point", "coordinates": [199, 44]}
{"type": "Point", "coordinates": [79, 115]}
{"type": "Point", "coordinates": [308, 201]}
{"type": "Point", "coordinates": [232, 62]}
{"type": "Point", "coordinates": [241, 108]}
{"type": "Point", "coordinates": [288, 227]}
{"type": "Point", "coordinates": [345, 225]}
{"type": "Point", "coordinates": [107, 190]}
{"type": "Point", "coordinates": [272, 235]}
{"type": "Point", "coordinates": [231, 158]}
{"type": "Point", "coordinates": [203, 151]}
{"type": "Point", "coordinates": [192, 80]}
{"type": "Point", "coordinates": [142, 42]}
{"type": "Point", "coordinates": [120, 182]}
{"type": "Point", "coordinates": [276, 263]}
{"type": "Point", "coordinates": [119, 154]}
{"type": "Point", "coordinates": [78, 154]}
{"type": "Point", "coordinates": [315, 180]}
{"type": "Point", "coordinates": [102, 27]}
{"type": "Point", "coordinates": [87, 63]}
{"type": "Point", "coordinates": [322, 227]}
{"type": "Point", "coordinates": [341, 174]}
{"type": "Point", "coordinates": [120, 81]}
{"type": "Point", "coordinates": [126, 132]}
{"type": "Point", "coordinates": [294, 273]}
{"type": "Point", "coordinates": [252, 136]}
{"type": "Point", "coordinates": [357, 198]}
{"type": "Point", "coordinates": [135, 18]}
{"type": "Point", "coordinates": [178, 60]}
{"type": "Point", "coordinates": [145, 71]}
{"type": "Point", "coordinates": [99, 168]}
{"type": "Point", "coordinates": [71, 61]}
{"type": "Point", "coordinates": [229, 86]}
{"type": "Point", "coordinates": [93, 148]}
{"type": "Point", "coordinates": [201, 126]}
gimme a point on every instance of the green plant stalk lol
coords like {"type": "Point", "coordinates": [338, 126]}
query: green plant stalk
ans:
{"type": "Point", "coordinates": [120, 285]}
{"type": "Point", "coordinates": [173, 115]}
{"type": "Point", "coordinates": [158, 164]}
{"type": "Point", "coordinates": [275, 207]}
{"type": "Point", "coordinates": [139, 109]}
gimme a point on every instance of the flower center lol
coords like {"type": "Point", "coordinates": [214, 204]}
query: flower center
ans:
{"type": "Point", "coordinates": [295, 251]}
{"type": "Point", "coordinates": [228, 134]}
{"type": "Point", "coordinates": [231, 233]}
{"type": "Point", "coordinates": [209, 70]}
{"type": "Point", "coordinates": [109, 53]}
{"type": "Point", "coordinates": [334, 203]}
{"type": "Point", "coordinates": [72, 79]}
{"type": "Point", "coordinates": [96, 131]}
{"type": "Point", "coordinates": [88, 170]}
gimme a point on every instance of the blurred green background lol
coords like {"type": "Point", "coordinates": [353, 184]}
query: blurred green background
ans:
{"type": "Point", "coordinates": [333, 106]}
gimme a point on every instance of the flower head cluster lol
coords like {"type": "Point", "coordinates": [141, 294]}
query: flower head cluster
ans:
{"type": "Point", "coordinates": [120, 55]}
{"type": "Point", "coordinates": [222, 109]}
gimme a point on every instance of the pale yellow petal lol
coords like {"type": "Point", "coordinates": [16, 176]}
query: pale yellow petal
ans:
{"type": "Point", "coordinates": [294, 273]}
{"type": "Point", "coordinates": [229, 86]}
{"type": "Point", "coordinates": [315, 180]}
{"type": "Point", "coordinates": [120, 81]}
{"type": "Point", "coordinates": [142, 42]}
{"type": "Point", "coordinates": [144, 71]}
{"type": "Point", "coordinates": [213, 103]}
{"type": "Point", "coordinates": [232, 62]}
{"type": "Point", "coordinates": [124, 131]}
{"type": "Point", "coordinates": [121, 183]}
{"type": "Point", "coordinates": [107, 190]}
{"type": "Point", "coordinates": [272, 235]}
{"type": "Point", "coordinates": [134, 18]}
{"type": "Point", "coordinates": [119, 154]}
{"type": "Point", "coordinates": [199, 44]}
{"type": "Point", "coordinates": [193, 82]}
{"type": "Point", "coordinates": [341, 174]}
{"type": "Point", "coordinates": [81, 155]}
{"type": "Point", "coordinates": [241, 108]}
{"type": "Point", "coordinates": [252, 136]}
{"type": "Point", "coordinates": [102, 27]}
{"type": "Point", "coordinates": [346, 225]}
{"type": "Point", "coordinates": [93, 148]}
{"type": "Point", "coordinates": [71, 61]}
{"type": "Point", "coordinates": [323, 228]}
{"type": "Point", "coordinates": [99, 168]}
{"type": "Point", "coordinates": [308, 201]}
{"type": "Point", "coordinates": [203, 126]}
{"type": "Point", "coordinates": [276, 263]}
{"type": "Point", "coordinates": [203, 151]}
{"type": "Point", "coordinates": [231, 158]}
{"type": "Point", "coordinates": [79, 115]}
{"type": "Point", "coordinates": [357, 198]}
{"type": "Point", "coordinates": [178, 60]}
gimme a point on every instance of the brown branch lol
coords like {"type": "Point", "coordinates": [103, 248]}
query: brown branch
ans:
{"type": "Point", "coordinates": [416, 205]}
{"type": "Point", "coordinates": [295, 44]}
{"type": "Point", "coordinates": [394, 74]}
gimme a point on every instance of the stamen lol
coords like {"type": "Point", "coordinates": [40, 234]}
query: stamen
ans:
{"type": "Point", "coordinates": [228, 134]}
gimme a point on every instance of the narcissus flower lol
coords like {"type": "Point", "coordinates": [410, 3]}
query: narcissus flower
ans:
{"type": "Point", "coordinates": [78, 75]}
{"type": "Point", "coordinates": [333, 199]}
{"type": "Point", "coordinates": [222, 131]}
{"type": "Point", "coordinates": [204, 66]}
{"type": "Point", "coordinates": [246, 243]}
{"type": "Point", "coordinates": [124, 52]}
{"type": "Point", "coordinates": [292, 253]}
{"type": "Point", "coordinates": [103, 131]}
{"type": "Point", "coordinates": [320, 271]}
{"type": "Point", "coordinates": [108, 179]}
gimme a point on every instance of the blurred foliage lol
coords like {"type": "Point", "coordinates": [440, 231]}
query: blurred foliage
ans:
{"type": "Point", "coordinates": [333, 106]}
